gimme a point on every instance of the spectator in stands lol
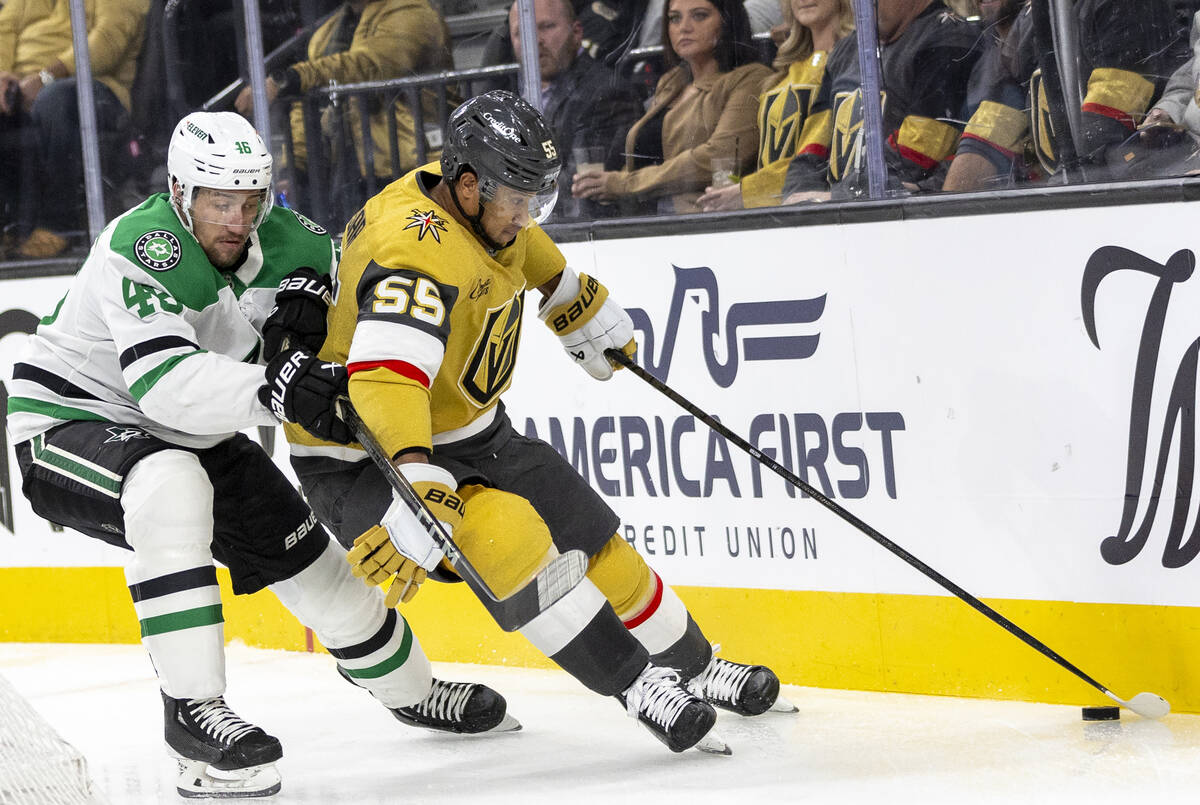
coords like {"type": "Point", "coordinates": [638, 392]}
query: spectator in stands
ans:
{"type": "Point", "coordinates": [612, 28]}
{"type": "Point", "coordinates": [368, 40]}
{"type": "Point", "coordinates": [702, 113]}
{"type": "Point", "coordinates": [1172, 126]}
{"type": "Point", "coordinates": [41, 156]}
{"type": "Point", "coordinates": [784, 111]}
{"type": "Point", "coordinates": [586, 104]}
{"type": "Point", "coordinates": [1126, 49]}
{"type": "Point", "coordinates": [926, 55]}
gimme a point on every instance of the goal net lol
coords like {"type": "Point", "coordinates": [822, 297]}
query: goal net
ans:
{"type": "Point", "coordinates": [37, 767]}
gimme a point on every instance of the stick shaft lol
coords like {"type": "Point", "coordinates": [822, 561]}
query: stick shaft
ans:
{"type": "Point", "coordinates": [1012, 628]}
{"type": "Point", "coordinates": [516, 609]}
{"type": "Point", "coordinates": [404, 489]}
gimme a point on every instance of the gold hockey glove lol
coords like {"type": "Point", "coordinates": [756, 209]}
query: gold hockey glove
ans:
{"type": "Point", "coordinates": [587, 321]}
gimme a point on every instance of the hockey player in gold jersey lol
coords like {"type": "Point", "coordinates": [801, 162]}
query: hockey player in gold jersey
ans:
{"type": "Point", "coordinates": [427, 318]}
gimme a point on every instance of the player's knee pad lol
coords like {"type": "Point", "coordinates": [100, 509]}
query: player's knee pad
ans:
{"type": "Point", "coordinates": [504, 538]}
{"type": "Point", "coordinates": [623, 576]}
{"type": "Point", "coordinates": [168, 503]}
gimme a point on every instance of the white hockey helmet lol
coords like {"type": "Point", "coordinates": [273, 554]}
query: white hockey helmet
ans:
{"type": "Point", "coordinates": [218, 150]}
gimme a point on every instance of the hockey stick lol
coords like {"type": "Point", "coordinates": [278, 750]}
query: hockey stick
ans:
{"type": "Point", "coordinates": [1147, 705]}
{"type": "Point", "coordinates": [512, 612]}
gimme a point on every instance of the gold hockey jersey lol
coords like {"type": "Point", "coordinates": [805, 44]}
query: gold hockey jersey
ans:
{"type": "Point", "coordinates": [786, 124]}
{"type": "Point", "coordinates": [425, 319]}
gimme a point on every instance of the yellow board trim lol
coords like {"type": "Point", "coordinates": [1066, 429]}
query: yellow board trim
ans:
{"type": "Point", "coordinates": [858, 641]}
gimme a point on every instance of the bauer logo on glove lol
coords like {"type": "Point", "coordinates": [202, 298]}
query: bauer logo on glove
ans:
{"type": "Point", "coordinates": [302, 388]}
{"type": "Point", "coordinates": [587, 321]}
{"type": "Point", "coordinates": [591, 294]}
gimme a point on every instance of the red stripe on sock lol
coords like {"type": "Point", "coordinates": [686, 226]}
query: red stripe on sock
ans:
{"type": "Point", "coordinates": [1118, 115]}
{"type": "Point", "coordinates": [1004, 151]}
{"type": "Point", "coordinates": [399, 367]}
{"type": "Point", "coordinates": [651, 608]}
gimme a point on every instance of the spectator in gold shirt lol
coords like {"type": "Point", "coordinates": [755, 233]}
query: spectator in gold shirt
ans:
{"type": "Point", "coordinates": [41, 163]}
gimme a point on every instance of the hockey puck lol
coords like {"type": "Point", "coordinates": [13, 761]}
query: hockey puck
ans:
{"type": "Point", "coordinates": [1101, 714]}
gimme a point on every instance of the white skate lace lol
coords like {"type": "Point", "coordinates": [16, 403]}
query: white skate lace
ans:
{"type": "Point", "coordinates": [446, 700]}
{"type": "Point", "coordinates": [656, 695]}
{"type": "Point", "coordinates": [721, 680]}
{"type": "Point", "coordinates": [214, 717]}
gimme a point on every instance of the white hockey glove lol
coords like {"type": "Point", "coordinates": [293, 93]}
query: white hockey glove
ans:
{"type": "Point", "coordinates": [587, 321]}
{"type": "Point", "coordinates": [400, 548]}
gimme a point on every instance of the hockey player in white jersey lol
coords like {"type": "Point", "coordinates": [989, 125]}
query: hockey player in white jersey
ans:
{"type": "Point", "coordinates": [126, 408]}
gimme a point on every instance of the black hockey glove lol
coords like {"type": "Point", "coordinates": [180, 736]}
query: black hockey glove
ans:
{"type": "Point", "coordinates": [303, 389]}
{"type": "Point", "coordinates": [299, 313]}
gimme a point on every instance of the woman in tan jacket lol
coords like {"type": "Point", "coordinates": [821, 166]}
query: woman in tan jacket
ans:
{"type": "Point", "coordinates": [702, 114]}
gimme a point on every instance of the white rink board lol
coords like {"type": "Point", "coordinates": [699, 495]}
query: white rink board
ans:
{"type": "Point", "coordinates": [1009, 468]}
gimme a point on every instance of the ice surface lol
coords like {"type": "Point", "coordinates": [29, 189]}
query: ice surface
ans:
{"type": "Point", "coordinates": [842, 747]}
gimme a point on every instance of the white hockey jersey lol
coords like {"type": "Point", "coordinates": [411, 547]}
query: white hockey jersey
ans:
{"type": "Point", "coordinates": [152, 335]}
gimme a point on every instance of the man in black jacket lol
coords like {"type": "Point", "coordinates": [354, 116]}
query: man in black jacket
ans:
{"type": "Point", "coordinates": [587, 105]}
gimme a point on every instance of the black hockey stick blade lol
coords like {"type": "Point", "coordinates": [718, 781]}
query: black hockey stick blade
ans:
{"type": "Point", "coordinates": [1148, 705]}
{"type": "Point", "coordinates": [511, 612]}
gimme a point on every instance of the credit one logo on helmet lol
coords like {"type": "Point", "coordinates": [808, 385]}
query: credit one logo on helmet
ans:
{"type": "Point", "coordinates": [501, 128]}
{"type": "Point", "coordinates": [1152, 442]}
{"type": "Point", "coordinates": [844, 454]}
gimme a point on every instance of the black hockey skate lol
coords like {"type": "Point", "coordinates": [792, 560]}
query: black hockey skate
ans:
{"type": "Point", "coordinates": [748, 690]}
{"type": "Point", "coordinates": [459, 707]}
{"type": "Point", "coordinates": [672, 714]}
{"type": "Point", "coordinates": [465, 708]}
{"type": "Point", "coordinates": [205, 734]}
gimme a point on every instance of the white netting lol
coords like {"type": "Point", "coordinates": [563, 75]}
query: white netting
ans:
{"type": "Point", "coordinates": [37, 767]}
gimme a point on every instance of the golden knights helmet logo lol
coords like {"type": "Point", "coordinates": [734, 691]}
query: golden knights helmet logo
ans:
{"type": "Point", "coordinates": [846, 150]}
{"type": "Point", "coordinates": [1043, 126]}
{"type": "Point", "coordinates": [494, 355]}
{"type": "Point", "coordinates": [781, 117]}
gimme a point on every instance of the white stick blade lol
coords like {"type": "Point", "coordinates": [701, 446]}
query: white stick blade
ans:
{"type": "Point", "coordinates": [1149, 705]}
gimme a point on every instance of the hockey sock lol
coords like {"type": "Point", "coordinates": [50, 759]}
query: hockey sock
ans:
{"type": "Point", "coordinates": [664, 626]}
{"type": "Point", "coordinates": [584, 636]}
{"type": "Point", "coordinates": [374, 646]}
{"type": "Point", "coordinates": [167, 500]}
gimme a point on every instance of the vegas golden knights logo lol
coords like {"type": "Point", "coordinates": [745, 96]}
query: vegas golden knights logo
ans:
{"type": "Point", "coordinates": [1043, 127]}
{"type": "Point", "coordinates": [781, 120]}
{"type": "Point", "coordinates": [846, 151]}
{"type": "Point", "coordinates": [494, 355]}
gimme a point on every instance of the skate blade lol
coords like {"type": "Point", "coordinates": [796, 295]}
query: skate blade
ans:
{"type": "Point", "coordinates": [196, 780]}
{"type": "Point", "coordinates": [782, 705]}
{"type": "Point", "coordinates": [713, 744]}
{"type": "Point", "coordinates": [509, 724]}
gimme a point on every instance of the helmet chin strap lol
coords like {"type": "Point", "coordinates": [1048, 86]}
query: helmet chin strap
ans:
{"type": "Point", "coordinates": [476, 220]}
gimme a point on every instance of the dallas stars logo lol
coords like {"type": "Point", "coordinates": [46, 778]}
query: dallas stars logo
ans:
{"type": "Point", "coordinates": [426, 223]}
{"type": "Point", "coordinates": [158, 250]}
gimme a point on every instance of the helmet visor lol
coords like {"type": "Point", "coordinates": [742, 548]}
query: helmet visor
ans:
{"type": "Point", "coordinates": [511, 204]}
{"type": "Point", "coordinates": [239, 209]}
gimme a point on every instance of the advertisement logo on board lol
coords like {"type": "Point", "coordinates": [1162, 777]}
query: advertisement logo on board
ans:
{"type": "Point", "coordinates": [699, 284]}
{"type": "Point", "coordinates": [1152, 443]}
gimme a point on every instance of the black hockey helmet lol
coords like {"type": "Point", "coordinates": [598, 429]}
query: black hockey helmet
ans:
{"type": "Point", "coordinates": [503, 140]}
